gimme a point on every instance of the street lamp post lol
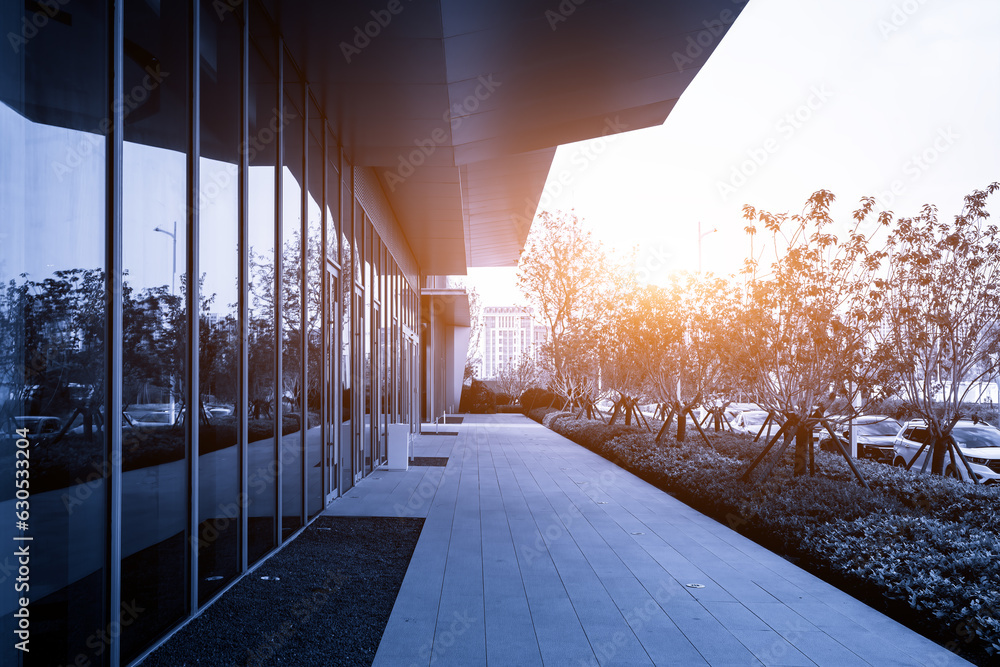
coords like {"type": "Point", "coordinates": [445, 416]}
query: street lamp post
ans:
{"type": "Point", "coordinates": [173, 279]}
{"type": "Point", "coordinates": [700, 237]}
{"type": "Point", "coordinates": [173, 272]}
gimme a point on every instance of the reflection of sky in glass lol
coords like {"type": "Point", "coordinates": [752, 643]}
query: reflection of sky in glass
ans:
{"type": "Point", "coordinates": [53, 179]}
{"type": "Point", "coordinates": [219, 210]}
{"type": "Point", "coordinates": [153, 187]}
{"type": "Point", "coordinates": [261, 212]}
{"type": "Point", "coordinates": [51, 191]}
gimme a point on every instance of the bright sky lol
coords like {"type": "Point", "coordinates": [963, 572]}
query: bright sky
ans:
{"type": "Point", "coordinates": [858, 97]}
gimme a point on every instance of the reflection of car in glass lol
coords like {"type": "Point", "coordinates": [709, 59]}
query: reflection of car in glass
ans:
{"type": "Point", "coordinates": [751, 421]}
{"type": "Point", "coordinates": [38, 426]}
{"type": "Point", "coordinates": [876, 436]}
{"type": "Point", "coordinates": [979, 442]}
{"type": "Point", "coordinates": [219, 410]}
{"type": "Point", "coordinates": [153, 420]}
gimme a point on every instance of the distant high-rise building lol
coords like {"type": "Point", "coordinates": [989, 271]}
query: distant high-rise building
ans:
{"type": "Point", "coordinates": [509, 332]}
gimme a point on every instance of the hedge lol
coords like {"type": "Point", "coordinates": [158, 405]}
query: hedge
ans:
{"type": "Point", "coordinates": [923, 549]}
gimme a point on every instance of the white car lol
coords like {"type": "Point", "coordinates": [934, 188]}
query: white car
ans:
{"type": "Point", "coordinates": [159, 419]}
{"type": "Point", "coordinates": [876, 437]}
{"type": "Point", "coordinates": [38, 426]}
{"type": "Point", "coordinates": [979, 442]}
{"type": "Point", "coordinates": [750, 422]}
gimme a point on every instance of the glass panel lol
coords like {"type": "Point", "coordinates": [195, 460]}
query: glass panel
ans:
{"type": "Point", "coordinates": [369, 362]}
{"type": "Point", "coordinates": [314, 304]}
{"type": "Point", "coordinates": [333, 214]}
{"type": "Point", "coordinates": [334, 397]}
{"type": "Point", "coordinates": [53, 94]}
{"type": "Point", "coordinates": [155, 526]}
{"type": "Point", "coordinates": [263, 123]}
{"type": "Point", "coordinates": [346, 465]}
{"type": "Point", "coordinates": [218, 461]}
{"type": "Point", "coordinates": [291, 316]}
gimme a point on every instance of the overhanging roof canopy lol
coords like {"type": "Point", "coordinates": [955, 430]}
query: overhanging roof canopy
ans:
{"type": "Point", "coordinates": [459, 104]}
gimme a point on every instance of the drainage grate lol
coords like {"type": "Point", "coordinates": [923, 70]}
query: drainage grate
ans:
{"type": "Point", "coordinates": [435, 461]}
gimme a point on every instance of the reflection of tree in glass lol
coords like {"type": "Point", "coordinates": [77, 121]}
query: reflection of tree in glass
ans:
{"type": "Point", "coordinates": [153, 340]}
{"type": "Point", "coordinates": [52, 362]}
{"type": "Point", "coordinates": [260, 352]}
{"type": "Point", "coordinates": [218, 361]}
{"type": "Point", "coordinates": [261, 349]}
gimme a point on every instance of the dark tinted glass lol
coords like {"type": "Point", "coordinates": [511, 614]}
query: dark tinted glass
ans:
{"type": "Point", "coordinates": [154, 241]}
{"type": "Point", "coordinates": [218, 204]}
{"type": "Point", "coordinates": [53, 128]}
{"type": "Point", "coordinates": [264, 124]}
{"type": "Point", "coordinates": [292, 389]}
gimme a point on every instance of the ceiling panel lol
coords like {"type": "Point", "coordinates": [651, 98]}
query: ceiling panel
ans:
{"type": "Point", "coordinates": [459, 105]}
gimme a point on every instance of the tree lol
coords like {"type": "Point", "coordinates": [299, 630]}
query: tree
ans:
{"type": "Point", "coordinates": [622, 354]}
{"type": "Point", "coordinates": [564, 272]}
{"type": "Point", "coordinates": [515, 376]}
{"type": "Point", "coordinates": [943, 315]}
{"type": "Point", "coordinates": [472, 357]}
{"type": "Point", "coordinates": [807, 335]}
{"type": "Point", "coordinates": [684, 335]}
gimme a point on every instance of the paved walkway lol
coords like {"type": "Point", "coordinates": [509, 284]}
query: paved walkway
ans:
{"type": "Point", "coordinates": [537, 551]}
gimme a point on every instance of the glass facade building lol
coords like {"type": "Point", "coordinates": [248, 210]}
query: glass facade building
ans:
{"type": "Point", "coordinates": [227, 227]}
{"type": "Point", "coordinates": [207, 315]}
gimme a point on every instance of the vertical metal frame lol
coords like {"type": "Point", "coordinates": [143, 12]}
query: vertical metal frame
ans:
{"type": "Point", "coordinates": [341, 250]}
{"type": "Point", "coordinates": [243, 304]}
{"type": "Point", "coordinates": [357, 338]}
{"type": "Point", "coordinates": [278, 270]}
{"type": "Point", "coordinates": [303, 303]}
{"type": "Point", "coordinates": [192, 391]}
{"type": "Point", "coordinates": [113, 333]}
{"type": "Point", "coordinates": [326, 335]}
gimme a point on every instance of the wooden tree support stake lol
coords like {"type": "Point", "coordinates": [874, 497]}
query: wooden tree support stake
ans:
{"type": "Point", "coordinates": [847, 457]}
{"type": "Point", "coordinates": [763, 427]}
{"type": "Point", "coordinates": [746, 475]}
{"type": "Point", "coordinates": [666, 424]}
{"type": "Point", "coordinates": [698, 426]}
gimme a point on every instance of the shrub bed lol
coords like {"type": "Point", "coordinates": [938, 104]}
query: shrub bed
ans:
{"type": "Point", "coordinates": [538, 414]}
{"type": "Point", "coordinates": [923, 549]}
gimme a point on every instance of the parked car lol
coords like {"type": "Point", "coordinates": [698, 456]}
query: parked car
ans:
{"type": "Point", "coordinates": [750, 422]}
{"type": "Point", "coordinates": [38, 426]}
{"type": "Point", "coordinates": [979, 442]}
{"type": "Point", "coordinates": [876, 437]}
{"type": "Point", "coordinates": [838, 422]}
{"type": "Point", "coordinates": [154, 420]}
{"type": "Point", "coordinates": [216, 410]}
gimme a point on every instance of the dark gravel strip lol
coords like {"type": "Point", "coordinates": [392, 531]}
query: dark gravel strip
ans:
{"type": "Point", "coordinates": [432, 461]}
{"type": "Point", "coordinates": [326, 601]}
